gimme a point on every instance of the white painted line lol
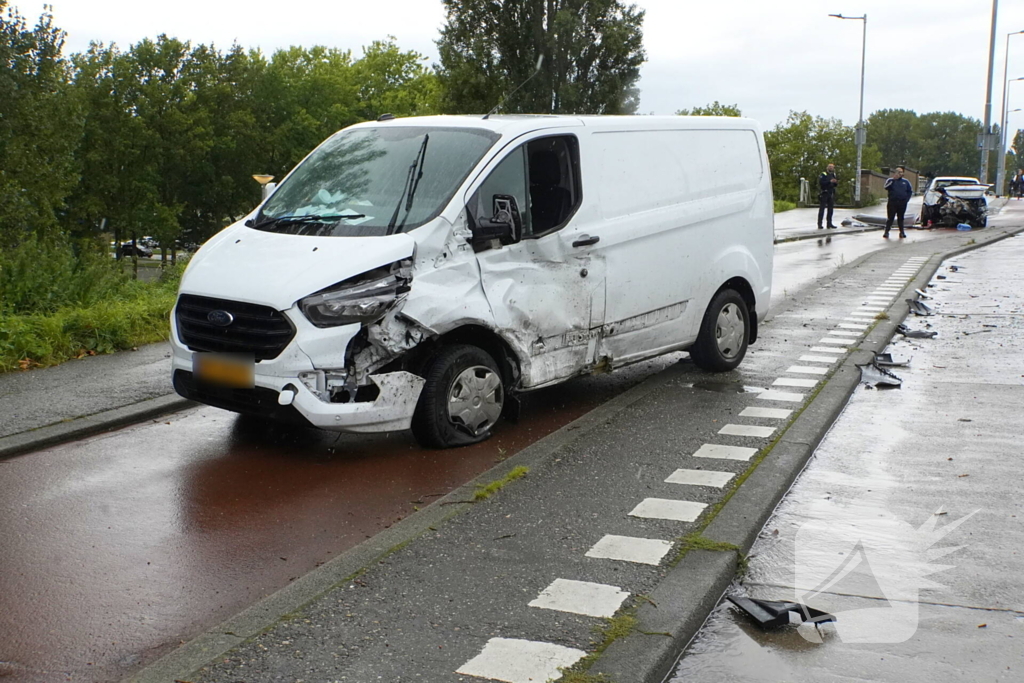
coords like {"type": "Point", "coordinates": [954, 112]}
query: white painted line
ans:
{"type": "Point", "coordinates": [845, 335]}
{"type": "Point", "coordinates": [793, 382]}
{"type": "Point", "coordinates": [773, 413]}
{"type": "Point", "coordinates": [860, 313]}
{"type": "Point", "coordinates": [879, 299]}
{"type": "Point", "coordinates": [521, 661]}
{"type": "Point", "coordinates": [827, 349]}
{"type": "Point", "coordinates": [806, 370]}
{"type": "Point", "coordinates": [772, 395]}
{"type": "Point", "coordinates": [851, 326]}
{"type": "Point", "coordinates": [747, 430]}
{"type": "Point", "coordinates": [711, 450]}
{"type": "Point", "coordinates": [834, 340]}
{"type": "Point", "coordinates": [581, 597]}
{"type": "Point", "coordinates": [700, 477]}
{"type": "Point", "coordinates": [819, 359]}
{"type": "Point", "coordinates": [864, 317]}
{"type": "Point", "coordinates": [631, 549]}
{"type": "Point", "coordinates": [888, 290]}
{"type": "Point", "coordinates": [675, 510]}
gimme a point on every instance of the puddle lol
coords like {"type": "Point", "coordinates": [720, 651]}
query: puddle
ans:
{"type": "Point", "coordinates": [725, 387]}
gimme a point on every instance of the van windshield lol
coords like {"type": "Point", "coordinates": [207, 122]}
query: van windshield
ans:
{"type": "Point", "coordinates": [374, 181]}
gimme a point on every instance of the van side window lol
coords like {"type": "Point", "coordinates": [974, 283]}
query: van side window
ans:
{"type": "Point", "coordinates": [555, 190]}
{"type": "Point", "coordinates": [508, 177]}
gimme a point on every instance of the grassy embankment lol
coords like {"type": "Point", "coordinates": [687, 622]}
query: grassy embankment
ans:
{"type": "Point", "coordinates": [782, 205]}
{"type": "Point", "coordinates": [56, 305]}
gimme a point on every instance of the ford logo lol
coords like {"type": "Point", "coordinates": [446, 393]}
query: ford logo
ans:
{"type": "Point", "coordinates": [220, 318]}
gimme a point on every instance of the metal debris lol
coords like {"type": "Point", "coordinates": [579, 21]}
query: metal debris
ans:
{"type": "Point", "coordinates": [920, 307]}
{"type": "Point", "coordinates": [889, 360]}
{"type": "Point", "coordinates": [771, 614]}
{"type": "Point", "coordinates": [916, 334]}
{"type": "Point", "coordinates": [922, 294]}
{"type": "Point", "coordinates": [873, 375]}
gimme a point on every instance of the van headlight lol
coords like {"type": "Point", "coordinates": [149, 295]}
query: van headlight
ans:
{"type": "Point", "coordinates": [363, 301]}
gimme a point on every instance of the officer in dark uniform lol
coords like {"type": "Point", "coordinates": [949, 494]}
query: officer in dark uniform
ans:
{"type": "Point", "coordinates": [827, 194]}
{"type": "Point", "coordinates": [900, 191]}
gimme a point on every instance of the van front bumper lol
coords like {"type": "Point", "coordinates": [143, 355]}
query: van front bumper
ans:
{"type": "Point", "coordinates": [291, 401]}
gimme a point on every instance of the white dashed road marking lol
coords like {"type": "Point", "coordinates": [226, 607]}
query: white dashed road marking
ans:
{"type": "Point", "coordinates": [827, 349]}
{"type": "Point", "coordinates": [711, 450]}
{"type": "Point", "coordinates": [851, 326]}
{"type": "Point", "coordinates": [521, 661]}
{"type": "Point", "coordinates": [675, 510]}
{"type": "Point", "coordinates": [581, 597]}
{"type": "Point", "coordinates": [700, 477]}
{"type": "Point", "coordinates": [773, 413]}
{"type": "Point", "coordinates": [793, 382]}
{"type": "Point", "coordinates": [818, 359]}
{"type": "Point", "coordinates": [747, 430]}
{"type": "Point", "coordinates": [806, 370]}
{"type": "Point", "coordinates": [772, 395]}
{"type": "Point", "coordinates": [629, 549]}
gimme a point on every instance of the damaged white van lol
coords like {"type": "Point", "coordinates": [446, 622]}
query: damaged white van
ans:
{"type": "Point", "coordinates": [425, 272]}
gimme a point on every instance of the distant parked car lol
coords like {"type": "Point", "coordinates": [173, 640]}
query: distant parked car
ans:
{"type": "Point", "coordinates": [950, 200]}
{"type": "Point", "coordinates": [128, 250]}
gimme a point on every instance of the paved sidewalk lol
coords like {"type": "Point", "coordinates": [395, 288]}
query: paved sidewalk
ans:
{"type": "Point", "coordinates": [916, 492]}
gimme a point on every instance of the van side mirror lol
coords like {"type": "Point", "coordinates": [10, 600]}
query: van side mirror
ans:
{"type": "Point", "coordinates": [505, 223]}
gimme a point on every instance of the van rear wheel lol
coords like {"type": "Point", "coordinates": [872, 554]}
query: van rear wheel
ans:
{"type": "Point", "coordinates": [722, 341]}
{"type": "Point", "coordinates": [461, 400]}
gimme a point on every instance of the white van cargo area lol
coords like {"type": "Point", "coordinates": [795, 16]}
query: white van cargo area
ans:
{"type": "Point", "coordinates": [425, 272]}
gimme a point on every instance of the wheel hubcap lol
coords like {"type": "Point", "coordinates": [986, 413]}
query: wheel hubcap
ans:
{"type": "Point", "coordinates": [475, 399]}
{"type": "Point", "coordinates": [729, 330]}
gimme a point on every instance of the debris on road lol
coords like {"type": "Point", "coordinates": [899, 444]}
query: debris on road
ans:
{"type": "Point", "coordinates": [916, 334]}
{"type": "Point", "coordinates": [889, 360]}
{"type": "Point", "coordinates": [876, 376]}
{"type": "Point", "coordinates": [771, 614]}
{"type": "Point", "coordinates": [922, 294]}
{"type": "Point", "coordinates": [920, 307]}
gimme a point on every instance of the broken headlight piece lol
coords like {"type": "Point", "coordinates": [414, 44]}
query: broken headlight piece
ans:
{"type": "Point", "coordinates": [358, 300]}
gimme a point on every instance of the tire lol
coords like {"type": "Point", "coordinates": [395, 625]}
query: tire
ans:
{"type": "Point", "coordinates": [465, 379]}
{"type": "Point", "coordinates": [722, 341]}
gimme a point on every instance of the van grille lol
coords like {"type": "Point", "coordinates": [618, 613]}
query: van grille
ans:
{"type": "Point", "coordinates": [259, 330]}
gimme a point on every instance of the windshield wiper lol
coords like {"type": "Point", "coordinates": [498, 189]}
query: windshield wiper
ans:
{"type": "Point", "coordinates": [325, 218]}
{"type": "Point", "coordinates": [411, 183]}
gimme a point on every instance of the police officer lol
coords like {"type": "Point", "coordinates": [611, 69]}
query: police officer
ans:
{"type": "Point", "coordinates": [900, 191]}
{"type": "Point", "coordinates": [827, 194]}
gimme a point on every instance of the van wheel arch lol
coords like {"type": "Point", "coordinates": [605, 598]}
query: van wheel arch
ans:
{"type": "Point", "coordinates": [743, 288]}
{"type": "Point", "coordinates": [482, 338]}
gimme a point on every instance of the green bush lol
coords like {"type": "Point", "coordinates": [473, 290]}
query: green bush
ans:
{"type": "Point", "coordinates": [782, 205]}
{"type": "Point", "coordinates": [134, 313]}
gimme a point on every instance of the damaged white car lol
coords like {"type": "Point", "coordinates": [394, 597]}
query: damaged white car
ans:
{"type": "Point", "coordinates": [425, 272]}
{"type": "Point", "coordinates": [950, 201]}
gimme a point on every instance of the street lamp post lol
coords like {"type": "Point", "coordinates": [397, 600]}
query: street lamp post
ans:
{"type": "Point", "coordinates": [1001, 169]}
{"type": "Point", "coordinates": [860, 133]}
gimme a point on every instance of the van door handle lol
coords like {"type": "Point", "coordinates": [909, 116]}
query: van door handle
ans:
{"type": "Point", "coordinates": [586, 240]}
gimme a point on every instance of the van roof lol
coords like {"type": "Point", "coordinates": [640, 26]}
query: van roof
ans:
{"type": "Point", "coordinates": [515, 124]}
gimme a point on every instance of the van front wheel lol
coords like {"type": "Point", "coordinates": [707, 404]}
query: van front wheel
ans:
{"type": "Point", "coordinates": [722, 340]}
{"type": "Point", "coordinates": [461, 400]}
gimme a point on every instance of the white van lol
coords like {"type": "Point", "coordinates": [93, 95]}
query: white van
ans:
{"type": "Point", "coordinates": [424, 272]}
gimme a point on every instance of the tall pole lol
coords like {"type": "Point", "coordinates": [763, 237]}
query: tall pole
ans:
{"type": "Point", "coordinates": [860, 133]}
{"type": "Point", "coordinates": [987, 131]}
{"type": "Point", "coordinates": [1001, 160]}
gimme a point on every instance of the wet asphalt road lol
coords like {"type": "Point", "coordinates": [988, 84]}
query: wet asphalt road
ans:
{"type": "Point", "coordinates": [117, 548]}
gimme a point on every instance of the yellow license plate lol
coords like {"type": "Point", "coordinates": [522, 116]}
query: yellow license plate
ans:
{"type": "Point", "coordinates": [224, 370]}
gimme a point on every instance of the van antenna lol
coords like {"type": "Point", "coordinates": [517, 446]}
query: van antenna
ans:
{"type": "Point", "coordinates": [536, 70]}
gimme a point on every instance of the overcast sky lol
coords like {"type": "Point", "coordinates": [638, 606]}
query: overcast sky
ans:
{"type": "Point", "coordinates": [767, 56]}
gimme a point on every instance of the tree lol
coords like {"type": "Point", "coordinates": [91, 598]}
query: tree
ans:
{"type": "Point", "coordinates": [893, 133]}
{"type": "Point", "coordinates": [40, 126]}
{"type": "Point", "coordinates": [394, 82]}
{"type": "Point", "coordinates": [802, 147]}
{"type": "Point", "coordinates": [713, 109]}
{"type": "Point", "coordinates": [592, 51]}
{"type": "Point", "coordinates": [948, 144]}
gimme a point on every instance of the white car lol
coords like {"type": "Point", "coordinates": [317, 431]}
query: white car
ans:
{"type": "Point", "coordinates": [952, 200]}
{"type": "Point", "coordinates": [424, 272]}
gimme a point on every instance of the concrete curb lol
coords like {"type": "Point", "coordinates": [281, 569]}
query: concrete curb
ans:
{"type": "Point", "coordinates": [80, 427]}
{"type": "Point", "coordinates": [683, 600]}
